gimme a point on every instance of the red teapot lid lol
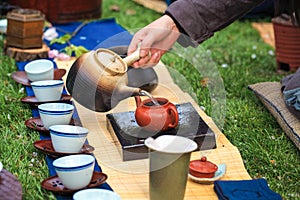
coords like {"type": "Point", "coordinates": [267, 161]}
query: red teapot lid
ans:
{"type": "Point", "coordinates": [203, 166]}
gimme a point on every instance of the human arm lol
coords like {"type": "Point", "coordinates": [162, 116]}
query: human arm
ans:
{"type": "Point", "coordinates": [198, 19]}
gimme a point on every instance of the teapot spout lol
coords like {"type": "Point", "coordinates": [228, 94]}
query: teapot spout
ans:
{"type": "Point", "coordinates": [123, 92]}
{"type": "Point", "coordinates": [138, 101]}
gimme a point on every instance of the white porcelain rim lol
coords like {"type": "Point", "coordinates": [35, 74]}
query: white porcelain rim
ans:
{"type": "Point", "coordinates": [81, 192]}
{"type": "Point", "coordinates": [90, 160]}
{"type": "Point", "coordinates": [68, 108]}
{"type": "Point", "coordinates": [47, 83]}
{"type": "Point", "coordinates": [35, 62]}
{"type": "Point", "coordinates": [70, 129]}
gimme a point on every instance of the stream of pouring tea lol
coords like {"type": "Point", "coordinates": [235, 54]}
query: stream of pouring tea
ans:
{"type": "Point", "coordinates": [145, 93]}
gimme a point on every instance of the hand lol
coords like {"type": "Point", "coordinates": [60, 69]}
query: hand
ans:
{"type": "Point", "coordinates": [155, 39]}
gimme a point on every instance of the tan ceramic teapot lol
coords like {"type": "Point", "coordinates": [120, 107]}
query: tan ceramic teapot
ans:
{"type": "Point", "coordinates": [155, 115]}
{"type": "Point", "coordinates": [101, 78]}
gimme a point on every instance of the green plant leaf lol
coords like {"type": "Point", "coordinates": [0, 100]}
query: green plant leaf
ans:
{"type": "Point", "coordinates": [79, 50]}
{"type": "Point", "coordinates": [61, 40]}
{"type": "Point", "coordinates": [69, 50]}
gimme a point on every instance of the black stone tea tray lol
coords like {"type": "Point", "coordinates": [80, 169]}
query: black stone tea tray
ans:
{"type": "Point", "coordinates": [129, 136]}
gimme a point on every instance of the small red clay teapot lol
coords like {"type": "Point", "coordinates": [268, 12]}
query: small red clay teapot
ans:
{"type": "Point", "coordinates": [156, 117]}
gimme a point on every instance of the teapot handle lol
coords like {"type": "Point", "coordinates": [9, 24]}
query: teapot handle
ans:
{"type": "Point", "coordinates": [174, 114]}
{"type": "Point", "coordinates": [133, 57]}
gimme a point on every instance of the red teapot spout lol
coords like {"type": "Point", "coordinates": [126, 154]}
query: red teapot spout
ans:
{"type": "Point", "coordinates": [138, 101]}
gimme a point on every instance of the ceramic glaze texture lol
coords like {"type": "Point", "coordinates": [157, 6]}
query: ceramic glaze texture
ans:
{"type": "Point", "coordinates": [55, 113]}
{"type": "Point", "coordinates": [75, 171]}
{"type": "Point", "coordinates": [3, 26]}
{"type": "Point", "coordinates": [38, 70]}
{"type": "Point", "coordinates": [47, 90]}
{"type": "Point", "coordinates": [98, 80]}
{"type": "Point", "coordinates": [68, 138]}
{"type": "Point", "coordinates": [156, 118]}
{"type": "Point", "coordinates": [202, 168]}
{"type": "Point", "coordinates": [96, 194]}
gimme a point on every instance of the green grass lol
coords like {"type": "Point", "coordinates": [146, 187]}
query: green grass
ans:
{"type": "Point", "coordinates": [17, 152]}
{"type": "Point", "coordinates": [266, 150]}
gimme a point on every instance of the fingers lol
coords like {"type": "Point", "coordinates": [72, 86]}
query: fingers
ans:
{"type": "Point", "coordinates": [146, 44]}
{"type": "Point", "coordinates": [151, 39]}
{"type": "Point", "coordinates": [133, 46]}
{"type": "Point", "coordinates": [155, 58]}
{"type": "Point", "coordinates": [149, 60]}
{"type": "Point", "coordinates": [137, 39]}
{"type": "Point", "coordinates": [145, 41]}
{"type": "Point", "coordinates": [144, 53]}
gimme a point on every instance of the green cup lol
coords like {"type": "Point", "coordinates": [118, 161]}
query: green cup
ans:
{"type": "Point", "coordinates": [169, 166]}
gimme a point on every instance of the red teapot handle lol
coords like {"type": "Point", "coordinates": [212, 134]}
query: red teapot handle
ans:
{"type": "Point", "coordinates": [174, 114]}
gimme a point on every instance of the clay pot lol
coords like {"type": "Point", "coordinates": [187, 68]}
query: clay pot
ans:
{"type": "Point", "coordinates": [287, 41]}
{"type": "Point", "coordinates": [155, 118]}
{"type": "Point", "coordinates": [202, 168]}
{"type": "Point", "coordinates": [99, 80]}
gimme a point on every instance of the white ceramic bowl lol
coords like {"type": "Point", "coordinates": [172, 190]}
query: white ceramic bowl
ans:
{"type": "Point", "coordinates": [96, 194]}
{"type": "Point", "coordinates": [47, 90]}
{"type": "Point", "coordinates": [68, 138]}
{"type": "Point", "coordinates": [75, 171]}
{"type": "Point", "coordinates": [55, 113]}
{"type": "Point", "coordinates": [3, 25]}
{"type": "Point", "coordinates": [41, 69]}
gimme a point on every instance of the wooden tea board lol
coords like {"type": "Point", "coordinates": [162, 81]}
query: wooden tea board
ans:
{"type": "Point", "coordinates": [130, 178]}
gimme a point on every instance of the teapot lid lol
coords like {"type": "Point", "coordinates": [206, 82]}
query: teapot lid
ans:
{"type": "Point", "coordinates": [203, 165]}
{"type": "Point", "coordinates": [111, 61]}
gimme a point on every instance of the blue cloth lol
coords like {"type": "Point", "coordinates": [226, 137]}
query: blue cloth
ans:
{"type": "Point", "coordinates": [49, 160]}
{"type": "Point", "coordinates": [101, 33]}
{"type": "Point", "coordinates": [256, 189]}
{"type": "Point", "coordinates": [97, 34]}
{"type": "Point", "coordinates": [292, 98]}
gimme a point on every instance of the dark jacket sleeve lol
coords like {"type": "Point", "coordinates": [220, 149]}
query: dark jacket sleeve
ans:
{"type": "Point", "coordinates": [199, 19]}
